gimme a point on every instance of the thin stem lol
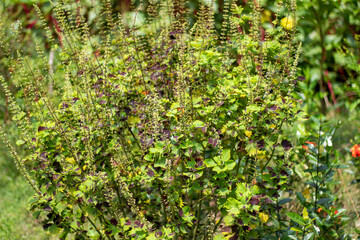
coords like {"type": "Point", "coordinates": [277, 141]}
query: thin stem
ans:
{"type": "Point", "coordinates": [198, 214]}
{"type": "Point", "coordinates": [217, 224]}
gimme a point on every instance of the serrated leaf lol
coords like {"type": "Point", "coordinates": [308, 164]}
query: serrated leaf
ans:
{"type": "Point", "coordinates": [223, 191]}
{"type": "Point", "coordinates": [232, 205]}
{"type": "Point", "coordinates": [251, 149]}
{"type": "Point", "coordinates": [229, 220]}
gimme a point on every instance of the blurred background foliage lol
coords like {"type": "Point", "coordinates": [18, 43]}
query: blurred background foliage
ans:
{"type": "Point", "coordinates": [330, 66]}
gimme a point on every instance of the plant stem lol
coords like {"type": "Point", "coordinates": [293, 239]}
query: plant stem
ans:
{"type": "Point", "coordinates": [217, 224]}
{"type": "Point", "coordinates": [198, 214]}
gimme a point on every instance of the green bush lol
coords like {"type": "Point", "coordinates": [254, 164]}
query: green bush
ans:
{"type": "Point", "coordinates": [164, 129]}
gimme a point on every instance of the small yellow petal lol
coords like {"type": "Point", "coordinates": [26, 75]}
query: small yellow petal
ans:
{"type": "Point", "coordinates": [305, 214]}
{"type": "Point", "coordinates": [306, 193]}
{"type": "Point", "coordinates": [263, 217]}
{"type": "Point", "coordinates": [288, 23]}
{"type": "Point", "coordinates": [248, 133]}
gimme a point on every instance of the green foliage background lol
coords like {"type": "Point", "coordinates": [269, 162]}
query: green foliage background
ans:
{"type": "Point", "coordinates": [329, 31]}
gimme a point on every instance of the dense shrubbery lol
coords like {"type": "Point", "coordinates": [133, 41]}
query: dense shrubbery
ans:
{"type": "Point", "coordinates": [166, 130]}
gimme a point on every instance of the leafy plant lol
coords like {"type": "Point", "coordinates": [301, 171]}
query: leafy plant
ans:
{"type": "Point", "coordinates": [164, 129]}
{"type": "Point", "coordinates": [318, 198]}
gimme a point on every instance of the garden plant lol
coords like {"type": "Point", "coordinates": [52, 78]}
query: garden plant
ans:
{"type": "Point", "coordinates": [158, 125]}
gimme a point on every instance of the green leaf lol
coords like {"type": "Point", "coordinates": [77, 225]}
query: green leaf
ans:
{"type": "Point", "coordinates": [18, 116]}
{"type": "Point", "coordinates": [219, 169]}
{"type": "Point", "coordinates": [87, 185]}
{"type": "Point", "coordinates": [246, 220]}
{"type": "Point", "coordinates": [283, 201]}
{"type": "Point", "coordinates": [251, 149]}
{"type": "Point", "coordinates": [151, 237]}
{"type": "Point", "coordinates": [74, 225]}
{"type": "Point", "coordinates": [186, 210]}
{"type": "Point", "coordinates": [266, 177]}
{"type": "Point", "coordinates": [209, 163]}
{"type": "Point", "coordinates": [183, 229]}
{"type": "Point", "coordinates": [323, 200]}
{"type": "Point", "coordinates": [296, 218]}
{"type": "Point", "coordinates": [78, 194]}
{"type": "Point", "coordinates": [296, 229]}
{"type": "Point", "coordinates": [341, 166]}
{"type": "Point", "coordinates": [64, 234]}
{"type": "Point", "coordinates": [253, 108]}
{"type": "Point", "coordinates": [60, 207]}
{"type": "Point", "coordinates": [198, 147]}
{"type": "Point", "coordinates": [159, 147]}
{"type": "Point", "coordinates": [220, 175]}
{"type": "Point", "coordinates": [225, 155]}
{"type": "Point", "coordinates": [223, 191]}
{"type": "Point", "coordinates": [232, 205]}
{"type": "Point", "coordinates": [20, 142]}
{"type": "Point", "coordinates": [309, 236]}
{"type": "Point", "coordinates": [190, 164]}
{"type": "Point", "coordinates": [217, 159]}
{"type": "Point", "coordinates": [148, 157]}
{"type": "Point", "coordinates": [198, 123]}
{"type": "Point", "coordinates": [220, 237]}
{"type": "Point", "coordinates": [301, 198]}
{"type": "Point", "coordinates": [54, 229]}
{"type": "Point", "coordinates": [175, 105]}
{"type": "Point", "coordinates": [230, 165]}
{"type": "Point", "coordinates": [93, 234]}
{"type": "Point", "coordinates": [160, 163]}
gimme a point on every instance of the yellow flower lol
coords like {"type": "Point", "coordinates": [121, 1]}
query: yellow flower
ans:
{"type": "Point", "coordinates": [266, 16]}
{"type": "Point", "coordinates": [288, 23]}
{"type": "Point", "coordinates": [248, 133]}
{"type": "Point", "coordinates": [181, 203]}
{"type": "Point", "coordinates": [263, 217]}
{"type": "Point", "coordinates": [306, 193]}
